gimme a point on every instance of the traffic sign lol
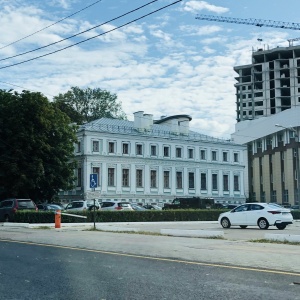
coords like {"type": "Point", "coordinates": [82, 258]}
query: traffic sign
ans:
{"type": "Point", "coordinates": [93, 181]}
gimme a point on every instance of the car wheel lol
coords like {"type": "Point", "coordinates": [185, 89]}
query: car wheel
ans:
{"type": "Point", "coordinates": [280, 226]}
{"type": "Point", "coordinates": [243, 226]}
{"type": "Point", "coordinates": [263, 223]}
{"type": "Point", "coordinates": [225, 223]}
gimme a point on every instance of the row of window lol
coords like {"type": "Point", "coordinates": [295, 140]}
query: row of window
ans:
{"type": "Point", "coordinates": [111, 179]}
{"type": "Point", "coordinates": [139, 150]}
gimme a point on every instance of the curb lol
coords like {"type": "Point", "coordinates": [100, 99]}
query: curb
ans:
{"type": "Point", "coordinates": [192, 233]}
{"type": "Point", "coordinates": [282, 237]}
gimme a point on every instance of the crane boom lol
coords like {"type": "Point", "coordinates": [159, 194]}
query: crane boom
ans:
{"type": "Point", "coordinates": [251, 21]}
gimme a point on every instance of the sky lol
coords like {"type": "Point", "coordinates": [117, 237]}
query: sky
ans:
{"type": "Point", "coordinates": [165, 63]}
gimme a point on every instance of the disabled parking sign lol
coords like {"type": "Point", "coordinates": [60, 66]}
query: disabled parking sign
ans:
{"type": "Point", "coordinates": [93, 180]}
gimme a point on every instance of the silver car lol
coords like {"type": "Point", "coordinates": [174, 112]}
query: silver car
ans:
{"type": "Point", "coordinates": [115, 206]}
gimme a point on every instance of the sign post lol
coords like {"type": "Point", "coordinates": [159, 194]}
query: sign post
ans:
{"type": "Point", "coordinates": [93, 185]}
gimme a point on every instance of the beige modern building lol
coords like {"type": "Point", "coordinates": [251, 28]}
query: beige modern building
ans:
{"type": "Point", "coordinates": [268, 120]}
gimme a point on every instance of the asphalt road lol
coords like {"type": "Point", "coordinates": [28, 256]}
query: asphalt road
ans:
{"type": "Point", "coordinates": [235, 250]}
{"type": "Point", "coordinates": [30, 271]}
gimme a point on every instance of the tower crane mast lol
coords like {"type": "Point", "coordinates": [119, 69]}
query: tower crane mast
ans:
{"type": "Point", "coordinates": [251, 21]}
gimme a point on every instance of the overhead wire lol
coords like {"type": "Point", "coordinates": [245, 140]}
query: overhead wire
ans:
{"type": "Point", "coordinates": [29, 35]}
{"type": "Point", "coordinates": [118, 27]}
{"type": "Point", "coordinates": [79, 33]}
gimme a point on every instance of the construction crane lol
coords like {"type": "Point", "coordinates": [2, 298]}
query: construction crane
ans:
{"type": "Point", "coordinates": [251, 21]}
{"type": "Point", "coordinates": [293, 40]}
{"type": "Point", "coordinates": [255, 22]}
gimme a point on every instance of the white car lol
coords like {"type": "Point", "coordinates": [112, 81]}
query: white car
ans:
{"type": "Point", "coordinates": [262, 215]}
{"type": "Point", "coordinates": [115, 206]}
{"type": "Point", "coordinates": [83, 205]}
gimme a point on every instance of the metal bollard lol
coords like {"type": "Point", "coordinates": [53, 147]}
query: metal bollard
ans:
{"type": "Point", "coordinates": [57, 218]}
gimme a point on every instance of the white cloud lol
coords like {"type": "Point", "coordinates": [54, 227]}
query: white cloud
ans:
{"type": "Point", "coordinates": [196, 6]}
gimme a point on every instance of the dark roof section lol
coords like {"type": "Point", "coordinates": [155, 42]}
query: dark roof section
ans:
{"type": "Point", "coordinates": [172, 117]}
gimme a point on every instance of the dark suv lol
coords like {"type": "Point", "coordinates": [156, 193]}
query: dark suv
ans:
{"type": "Point", "coordinates": [8, 208]}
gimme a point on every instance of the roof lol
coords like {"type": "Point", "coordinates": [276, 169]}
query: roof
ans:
{"type": "Point", "coordinates": [117, 126]}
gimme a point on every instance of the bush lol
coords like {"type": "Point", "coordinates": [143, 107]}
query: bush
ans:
{"type": "Point", "coordinates": [128, 216]}
{"type": "Point", "coordinates": [121, 216]}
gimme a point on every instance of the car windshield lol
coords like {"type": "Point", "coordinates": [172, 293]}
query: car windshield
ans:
{"type": "Point", "coordinates": [26, 203]}
{"type": "Point", "coordinates": [54, 206]}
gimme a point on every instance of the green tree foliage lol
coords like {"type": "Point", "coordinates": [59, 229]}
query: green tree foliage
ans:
{"type": "Point", "coordinates": [36, 147]}
{"type": "Point", "coordinates": [89, 104]}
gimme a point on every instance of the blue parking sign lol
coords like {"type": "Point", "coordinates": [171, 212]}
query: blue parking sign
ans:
{"type": "Point", "coordinates": [93, 181]}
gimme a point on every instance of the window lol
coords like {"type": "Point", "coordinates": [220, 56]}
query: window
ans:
{"type": "Point", "coordinates": [125, 177]}
{"type": "Point", "coordinates": [258, 144]}
{"type": "Point", "coordinates": [225, 156]}
{"type": "Point", "coordinates": [178, 152]}
{"type": "Point", "coordinates": [215, 182]}
{"type": "Point", "coordinates": [236, 183]}
{"type": "Point", "coordinates": [214, 155]}
{"type": "Point", "coordinates": [125, 148]}
{"type": "Point", "coordinates": [79, 147]}
{"type": "Point", "coordinates": [225, 183]}
{"type": "Point", "coordinates": [111, 177]}
{"type": "Point", "coordinates": [236, 157]}
{"type": "Point", "coordinates": [203, 154]}
{"type": "Point", "coordinates": [79, 177]}
{"type": "Point", "coordinates": [139, 149]}
{"type": "Point", "coordinates": [273, 196]}
{"type": "Point", "coordinates": [139, 178]}
{"type": "Point", "coordinates": [166, 179]}
{"type": "Point", "coordinates": [95, 146]}
{"type": "Point", "coordinates": [191, 153]}
{"type": "Point", "coordinates": [191, 180]}
{"type": "Point", "coordinates": [166, 151]}
{"type": "Point", "coordinates": [179, 180]}
{"type": "Point", "coordinates": [153, 179]}
{"type": "Point", "coordinates": [286, 196]}
{"type": "Point", "coordinates": [153, 150]}
{"type": "Point", "coordinates": [111, 147]}
{"type": "Point", "coordinates": [203, 181]}
{"type": "Point", "coordinates": [96, 170]}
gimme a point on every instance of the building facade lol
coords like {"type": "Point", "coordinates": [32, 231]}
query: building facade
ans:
{"type": "Point", "coordinates": [268, 110]}
{"type": "Point", "coordinates": [148, 161]}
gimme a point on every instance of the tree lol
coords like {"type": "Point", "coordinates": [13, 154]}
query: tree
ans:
{"type": "Point", "coordinates": [36, 147]}
{"type": "Point", "coordinates": [90, 104]}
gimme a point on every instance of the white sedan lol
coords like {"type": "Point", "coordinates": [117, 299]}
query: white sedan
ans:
{"type": "Point", "coordinates": [262, 215]}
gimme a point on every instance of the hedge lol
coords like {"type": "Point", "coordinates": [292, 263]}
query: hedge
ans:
{"type": "Point", "coordinates": [128, 216]}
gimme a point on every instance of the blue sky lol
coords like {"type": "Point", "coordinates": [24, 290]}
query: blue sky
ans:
{"type": "Point", "coordinates": [164, 64]}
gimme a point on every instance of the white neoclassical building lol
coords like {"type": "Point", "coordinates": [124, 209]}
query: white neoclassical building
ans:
{"type": "Point", "coordinates": [155, 161]}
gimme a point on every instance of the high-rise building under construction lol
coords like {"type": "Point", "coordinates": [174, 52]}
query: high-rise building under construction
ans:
{"type": "Point", "coordinates": [268, 120]}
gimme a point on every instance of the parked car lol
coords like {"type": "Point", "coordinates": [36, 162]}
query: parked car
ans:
{"type": "Point", "coordinates": [138, 207]}
{"type": "Point", "coordinates": [295, 207]}
{"type": "Point", "coordinates": [115, 206]}
{"type": "Point", "coordinates": [49, 207]}
{"type": "Point", "coordinates": [152, 206]}
{"type": "Point", "coordinates": [262, 215]}
{"type": "Point", "coordinates": [83, 205]}
{"type": "Point", "coordinates": [9, 207]}
{"type": "Point", "coordinates": [230, 206]}
{"type": "Point", "coordinates": [190, 203]}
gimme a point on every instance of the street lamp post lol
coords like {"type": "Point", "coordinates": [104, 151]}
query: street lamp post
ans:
{"type": "Point", "coordinates": [297, 158]}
